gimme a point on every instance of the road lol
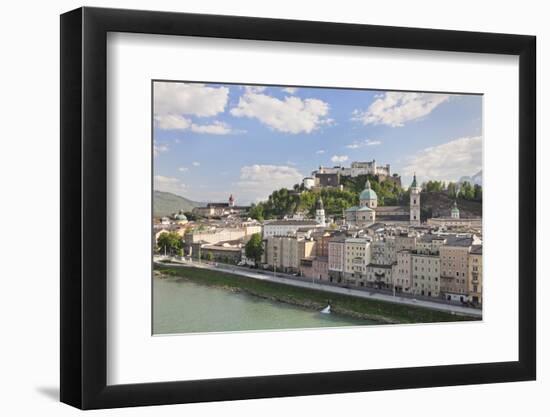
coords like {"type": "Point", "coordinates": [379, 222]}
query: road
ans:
{"type": "Point", "coordinates": [449, 308]}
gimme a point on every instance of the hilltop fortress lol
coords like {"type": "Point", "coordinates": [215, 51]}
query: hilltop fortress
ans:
{"type": "Point", "coordinates": [330, 177]}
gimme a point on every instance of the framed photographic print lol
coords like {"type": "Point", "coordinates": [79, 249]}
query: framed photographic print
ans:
{"type": "Point", "coordinates": [258, 207]}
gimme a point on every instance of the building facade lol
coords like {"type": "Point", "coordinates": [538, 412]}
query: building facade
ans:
{"type": "Point", "coordinates": [402, 273]}
{"type": "Point", "coordinates": [475, 274]}
{"type": "Point", "coordinates": [286, 227]}
{"type": "Point", "coordinates": [284, 253]}
{"type": "Point", "coordinates": [383, 251]}
{"type": "Point", "coordinates": [336, 257]}
{"type": "Point", "coordinates": [379, 276]}
{"type": "Point", "coordinates": [454, 255]}
{"type": "Point", "coordinates": [425, 271]}
{"type": "Point", "coordinates": [356, 258]}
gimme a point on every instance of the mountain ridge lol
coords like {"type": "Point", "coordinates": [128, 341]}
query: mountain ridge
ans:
{"type": "Point", "coordinates": [166, 203]}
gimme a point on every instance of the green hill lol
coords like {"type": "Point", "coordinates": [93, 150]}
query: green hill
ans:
{"type": "Point", "coordinates": [167, 203]}
{"type": "Point", "coordinates": [438, 204]}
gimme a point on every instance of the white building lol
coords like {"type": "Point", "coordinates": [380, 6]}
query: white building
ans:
{"type": "Point", "coordinates": [308, 182]}
{"type": "Point", "coordinates": [369, 168]}
{"type": "Point", "coordinates": [287, 227]}
{"type": "Point", "coordinates": [320, 213]}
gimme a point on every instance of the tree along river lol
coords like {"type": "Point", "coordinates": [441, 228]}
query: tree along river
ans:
{"type": "Point", "coordinates": [181, 306]}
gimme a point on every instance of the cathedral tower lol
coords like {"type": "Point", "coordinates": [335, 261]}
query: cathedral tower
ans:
{"type": "Point", "coordinates": [415, 203]}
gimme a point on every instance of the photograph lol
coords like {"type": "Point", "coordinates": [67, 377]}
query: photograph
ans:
{"type": "Point", "coordinates": [298, 207]}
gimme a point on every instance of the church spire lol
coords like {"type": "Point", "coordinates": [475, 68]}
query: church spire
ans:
{"type": "Point", "coordinates": [414, 180]}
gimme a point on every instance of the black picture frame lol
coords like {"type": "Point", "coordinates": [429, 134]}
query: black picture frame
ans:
{"type": "Point", "coordinates": [84, 207]}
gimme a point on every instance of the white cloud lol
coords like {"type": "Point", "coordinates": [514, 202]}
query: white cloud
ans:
{"type": "Point", "coordinates": [362, 143]}
{"type": "Point", "coordinates": [290, 90]}
{"type": "Point", "coordinates": [447, 162]}
{"type": "Point", "coordinates": [215, 128]}
{"type": "Point", "coordinates": [183, 169]}
{"type": "Point", "coordinates": [396, 108]}
{"type": "Point", "coordinates": [177, 122]}
{"type": "Point", "coordinates": [339, 158]}
{"type": "Point", "coordinates": [168, 184]}
{"type": "Point", "coordinates": [320, 152]}
{"type": "Point", "coordinates": [172, 122]}
{"type": "Point", "coordinates": [256, 182]}
{"type": "Point", "coordinates": [196, 164]}
{"type": "Point", "coordinates": [291, 115]}
{"type": "Point", "coordinates": [254, 88]}
{"type": "Point", "coordinates": [190, 99]}
{"type": "Point", "coordinates": [159, 148]}
{"type": "Point", "coordinates": [176, 103]}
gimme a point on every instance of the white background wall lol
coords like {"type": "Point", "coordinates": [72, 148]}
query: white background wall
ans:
{"type": "Point", "coordinates": [29, 169]}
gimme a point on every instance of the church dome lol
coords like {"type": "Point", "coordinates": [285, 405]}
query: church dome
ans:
{"type": "Point", "coordinates": [180, 217]}
{"type": "Point", "coordinates": [368, 193]}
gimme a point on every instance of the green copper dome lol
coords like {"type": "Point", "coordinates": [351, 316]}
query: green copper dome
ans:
{"type": "Point", "coordinates": [455, 208]}
{"type": "Point", "coordinates": [368, 193]}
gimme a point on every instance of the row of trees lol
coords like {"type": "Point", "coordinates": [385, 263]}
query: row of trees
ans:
{"type": "Point", "coordinates": [284, 202]}
{"type": "Point", "coordinates": [170, 243]}
{"type": "Point", "coordinates": [464, 190]}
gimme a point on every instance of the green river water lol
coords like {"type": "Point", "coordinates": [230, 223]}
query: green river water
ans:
{"type": "Point", "coordinates": [181, 306]}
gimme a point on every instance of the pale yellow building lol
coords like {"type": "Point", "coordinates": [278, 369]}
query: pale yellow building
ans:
{"type": "Point", "coordinates": [405, 241]}
{"type": "Point", "coordinates": [475, 274]}
{"type": "Point", "coordinates": [402, 274]}
{"type": "Point", "coordinates": [454, 256]}
{"type": "Point", "coordinates": [336, 258]}
{"type": "Point", "coordinates": [430, 244]}
{"type": "Point", "coordinates": [285, 252]}
{"type": "Point", "coordinates": [425, 271]}
{"type": "Point", "coordinates": [357, 255]}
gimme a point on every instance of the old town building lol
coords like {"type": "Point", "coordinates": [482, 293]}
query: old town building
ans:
{"type": "Point", "coordinates": [475, 274]}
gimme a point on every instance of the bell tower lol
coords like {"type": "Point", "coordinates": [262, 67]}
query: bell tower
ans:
{"type": "Point", "coordinates": [320, 212]}
{"type": "Point", "coordinates": [415, 203]}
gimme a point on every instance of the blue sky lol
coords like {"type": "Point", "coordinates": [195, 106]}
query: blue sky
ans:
{"type": "Point", "coordinates": [211, 140]}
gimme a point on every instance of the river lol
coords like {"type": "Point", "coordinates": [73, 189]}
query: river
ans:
{"type": "Point", "coordinates": [181, 306]}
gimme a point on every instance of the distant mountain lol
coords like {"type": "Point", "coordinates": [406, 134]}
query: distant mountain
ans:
{"type": "Point", "coordinates": [474, 179]}
{"type": "Point", "coordinates": [167, 203]}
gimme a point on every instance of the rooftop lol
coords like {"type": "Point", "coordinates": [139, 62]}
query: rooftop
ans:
{"type": "Point", "coordinates": [431, 237]}
{"type": "Point", "coordinates": [477, 249]}
{"type": "Point", "coordinates": [292, 223]}
{"type": "Point", "coordinates": [462, 241]}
